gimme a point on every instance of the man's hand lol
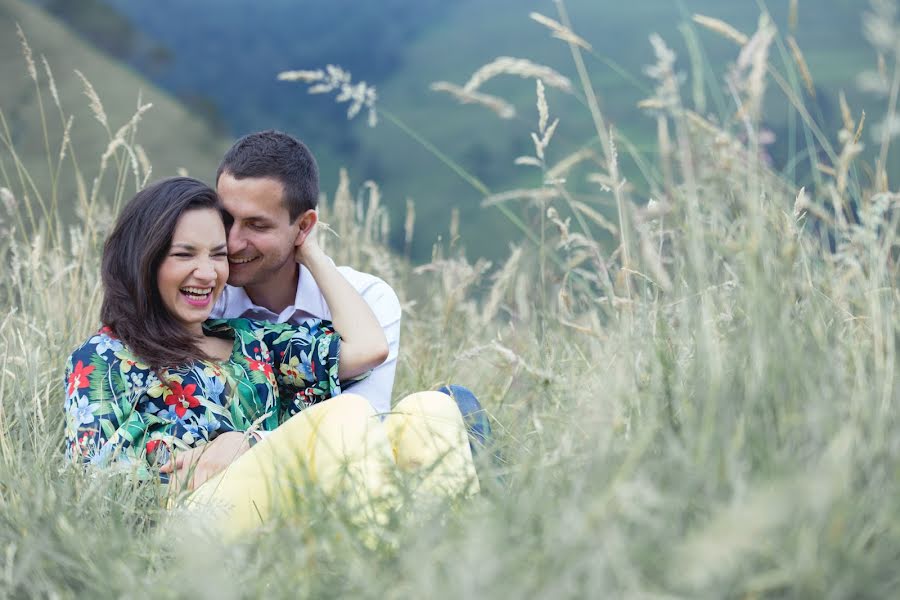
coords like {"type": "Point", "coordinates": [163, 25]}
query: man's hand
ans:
{"type": "Point", "coordinates": [193, 467]}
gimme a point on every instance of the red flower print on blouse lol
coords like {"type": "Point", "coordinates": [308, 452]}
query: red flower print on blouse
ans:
{"type": "Point", "coordinates": [78, 378]}
{"type": "Point", "coordinates": [182, 398]}
{"type": "Point", "coordinates": [258, 365]}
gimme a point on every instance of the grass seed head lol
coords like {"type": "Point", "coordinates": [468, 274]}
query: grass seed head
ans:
{"type": "Point", "coordinates": [501, 107]}
{"type": "Point", "coordinates": [560, 31]}
{"type": "Point", "coordinates": [520, 67]}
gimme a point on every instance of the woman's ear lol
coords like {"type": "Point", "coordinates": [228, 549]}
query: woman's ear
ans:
{"type": "Point", "coordinates": [307, 222]}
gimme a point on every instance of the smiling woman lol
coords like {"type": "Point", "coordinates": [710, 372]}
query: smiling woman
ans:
{"type": "Point", "coordinates": [159, 376]}
{"type": "Point", "coordinates": [196, 268]}
{"type": "Point", "coordinates": [160, 385]}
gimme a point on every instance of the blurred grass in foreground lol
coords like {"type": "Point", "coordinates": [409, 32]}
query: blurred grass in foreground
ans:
{"type": "Point", "coordinates": [706, 411]}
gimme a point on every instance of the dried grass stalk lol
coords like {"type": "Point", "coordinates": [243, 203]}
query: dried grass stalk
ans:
{"type": "Point", "coordinates": [529, 195]}
{"type": "Point", "coordinates": [722, 28]}
{"type": "Point", "coordinates": [502, 282]}
{"type": "Point", "coordinates": [560, 31]}
{"type": "Point", "coordinates": [802, 66]}
{"type": "Point", "coordinates": [528, 160]}
{"type": "Point", "coordinates": [95, 103]}
{"type": "Point", "coordinates": [846, 115]}
{"type": "Point", "coordinates": [409, 224]}
{"type": "Point", "coordinates": [653, 262]}
{"type": "Point", "coordinates": [501, 107]}
{"type": "Point", "coordinates": [26, 52]}
{"type": "Point", "coordinates": [596, 217]}
{"type": "Point", "coordinates": [565, 165]}
{"type": "Point", "coordinates": [520, 67]}
{"type": "Point", "coordinates": [51, 82]}
{"type": "Point", "coordinates": [543, 110]}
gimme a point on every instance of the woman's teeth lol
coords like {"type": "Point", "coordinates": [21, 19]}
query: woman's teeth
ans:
{"type": "Point", "coordinates": [196, 293]}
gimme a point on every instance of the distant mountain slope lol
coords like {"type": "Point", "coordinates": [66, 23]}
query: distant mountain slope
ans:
{"type": "Point", "coordinates": [222, 57]}
{"type": "Point", "coordinates": [830, 33]}
{"type": "Point", "coordinates": [171, 136]}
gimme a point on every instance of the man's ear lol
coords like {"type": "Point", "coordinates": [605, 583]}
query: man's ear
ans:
{"type": "Point", "coordinates": [307, 222]}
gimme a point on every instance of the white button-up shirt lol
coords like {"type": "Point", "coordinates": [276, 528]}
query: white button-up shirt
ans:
{"type": "Point", "coordinates": [310, 304]}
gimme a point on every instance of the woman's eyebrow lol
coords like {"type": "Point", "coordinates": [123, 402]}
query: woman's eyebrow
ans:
{"type": "Point", "coordinates": [188, 246]}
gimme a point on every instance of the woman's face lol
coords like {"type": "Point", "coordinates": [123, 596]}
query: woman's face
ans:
{"type": "Point", "coordinates": [195, 269]}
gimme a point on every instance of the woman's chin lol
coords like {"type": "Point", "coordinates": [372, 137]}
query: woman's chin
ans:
{"type": "Point", "coordinates": [194, 316]}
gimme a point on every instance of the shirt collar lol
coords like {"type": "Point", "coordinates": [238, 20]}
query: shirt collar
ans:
{"type": "Point", "coordinates": [308, 299]}
{"type": "Point", "coordinates": [235, 301]}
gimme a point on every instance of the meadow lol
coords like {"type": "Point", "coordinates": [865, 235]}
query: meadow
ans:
{"type": "Point", "coordinates": [696, 398]}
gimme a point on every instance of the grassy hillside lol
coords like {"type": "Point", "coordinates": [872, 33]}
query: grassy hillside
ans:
{"type": "Point", "coordinates": [830, 34]}
{"type": "Point", "coordinates": [172, 138]}
{"type": "Point", "coordinates": [222, 59]}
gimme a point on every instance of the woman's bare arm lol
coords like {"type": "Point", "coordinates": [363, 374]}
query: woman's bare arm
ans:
{"type": "Point", "coordinates": [363, 344]}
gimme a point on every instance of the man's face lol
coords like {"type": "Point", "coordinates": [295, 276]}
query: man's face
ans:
{"type": "Point", "coordinates": [261, 239]}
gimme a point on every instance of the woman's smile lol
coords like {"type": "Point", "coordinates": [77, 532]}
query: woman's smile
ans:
{"type": "Point", "coordinates": [197, 296]}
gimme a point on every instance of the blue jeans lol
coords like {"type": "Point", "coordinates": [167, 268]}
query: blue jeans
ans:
{"type": "Point", "coordinates": [476, 420]}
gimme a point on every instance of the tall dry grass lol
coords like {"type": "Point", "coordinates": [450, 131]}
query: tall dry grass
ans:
{"type": "Point", "coordinates": [707, 408]}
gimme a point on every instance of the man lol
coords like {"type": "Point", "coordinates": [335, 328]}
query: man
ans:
{"type": "Point", "coordinates": [269, 184]}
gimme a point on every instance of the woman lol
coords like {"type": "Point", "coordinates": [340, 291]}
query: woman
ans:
{"type": "Point", "coordinates": [160, 385]}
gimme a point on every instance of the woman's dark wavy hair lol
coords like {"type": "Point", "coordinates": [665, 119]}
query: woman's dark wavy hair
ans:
{"type": "Point", "coordinates": [132, 306]}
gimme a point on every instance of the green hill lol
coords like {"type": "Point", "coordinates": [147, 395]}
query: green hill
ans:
{"type": "Point", "coordinates": [476, 33]}
{"type": "Point", "coordinates": [172, 138]}
{"type": "Point", "coordinates": [221, 59]}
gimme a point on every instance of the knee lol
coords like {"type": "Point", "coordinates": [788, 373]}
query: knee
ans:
{"type": "Point", "coordinates": [429, 403]}
{"type": "Point", "coordinates": [345, 408]}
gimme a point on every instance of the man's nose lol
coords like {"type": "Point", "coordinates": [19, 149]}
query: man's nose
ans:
{"type": "Point", "coordinates": [236, 241]}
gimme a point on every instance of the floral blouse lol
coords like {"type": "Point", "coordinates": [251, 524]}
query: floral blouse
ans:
{"type": "Point", "coordinates": [118, 408]}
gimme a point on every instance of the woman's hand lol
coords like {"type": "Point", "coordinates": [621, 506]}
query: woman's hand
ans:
{"type": "Point", "coordinates": [363, 343]}
{"type": "Point", "coordinates": [308, 252]}
{"type": "Point", "coordinates": [191, 468]}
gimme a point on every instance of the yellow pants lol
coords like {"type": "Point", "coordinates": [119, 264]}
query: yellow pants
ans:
{"type": "Point", "coordinates": [343, 447]}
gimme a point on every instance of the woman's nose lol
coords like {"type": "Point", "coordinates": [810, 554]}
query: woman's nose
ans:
{"type": "Point", "coordinates": [205, 271]}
